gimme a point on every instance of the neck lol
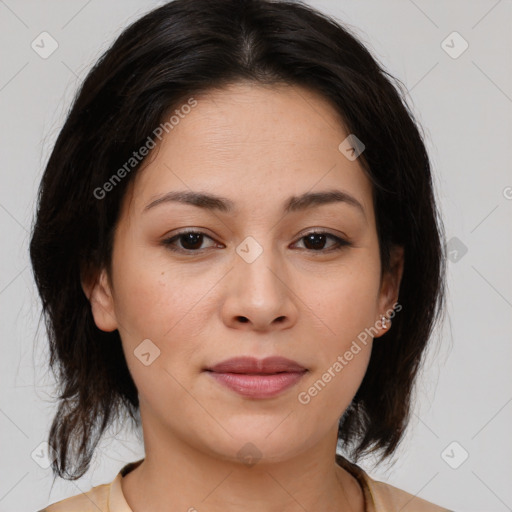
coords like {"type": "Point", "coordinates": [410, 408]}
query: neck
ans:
{"type": "Point", "coordinates": [177, 476]}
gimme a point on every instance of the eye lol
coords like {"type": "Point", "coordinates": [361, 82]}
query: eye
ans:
{"type": "Point", "coordinates": [315, 241]}
{"type": "Point", "coordinates": [191, 241]}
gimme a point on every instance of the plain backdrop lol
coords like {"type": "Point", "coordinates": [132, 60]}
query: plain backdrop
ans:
{"type": "Point", "coordinates": [458, 447]}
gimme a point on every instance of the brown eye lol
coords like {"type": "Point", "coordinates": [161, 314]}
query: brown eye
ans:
{"type": "Point", "coordinates": [316, 241]}
{"type": "Point", "coordinates": [189, 241]}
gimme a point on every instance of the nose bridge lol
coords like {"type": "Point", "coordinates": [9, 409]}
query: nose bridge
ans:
{"type": "Point", "coordinates": [258, 267]}
{"type": "Point", "coordinates": [261, 296]}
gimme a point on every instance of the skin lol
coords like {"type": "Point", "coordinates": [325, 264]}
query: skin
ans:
{"type": "Point", "coordinates": [257, 146]}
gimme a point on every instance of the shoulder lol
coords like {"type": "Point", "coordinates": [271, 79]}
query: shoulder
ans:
{"type": "Point", "coordinates": [388, 498]}
{"type": "Point", "coordinates": [382, 497]}
{"type": "Point", "coordinates": [105, 497]}
{"type": "Point", "coordinates": [90, 501]}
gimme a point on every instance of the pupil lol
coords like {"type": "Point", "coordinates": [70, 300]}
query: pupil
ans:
{"type": "Point", "coordinates": [311, 238]}
{"type": "Point", "coordinates": [193, 239]}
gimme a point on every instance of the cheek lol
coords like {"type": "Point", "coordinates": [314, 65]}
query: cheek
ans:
{"type": "Point", "coordinates": [152, 297]}
{"type": "Point", "coordinates": [334, 380]}
{"type": "Point", "coordinates": [152, 306]}
{"type": "Point", "coordinates": [346, 305]}
{"type": "Point", "coordinates": [166, 305]}
{"type": "Point", "coordinates": [347, 299]}
{"type": "Point", "coordinates": [341, 360]}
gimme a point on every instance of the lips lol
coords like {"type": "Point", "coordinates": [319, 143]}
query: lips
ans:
{"type": "Point", "coordinates": [257, 378]}
{"type": "Point", "coordinates": [253, 366]}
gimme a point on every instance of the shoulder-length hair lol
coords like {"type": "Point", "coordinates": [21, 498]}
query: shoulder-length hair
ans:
{"type": "Point", "coordinates": [187, 47]}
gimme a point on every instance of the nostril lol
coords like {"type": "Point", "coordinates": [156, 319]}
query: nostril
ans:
{"type": "Point", "coordinates": [243, 319]}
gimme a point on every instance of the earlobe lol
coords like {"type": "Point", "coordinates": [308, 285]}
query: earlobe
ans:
{"type": "Point", "coordinates": [100, 297]}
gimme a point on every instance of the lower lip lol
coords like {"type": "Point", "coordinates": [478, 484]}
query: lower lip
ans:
{"type": "Point", "coordinates": [258, 386]}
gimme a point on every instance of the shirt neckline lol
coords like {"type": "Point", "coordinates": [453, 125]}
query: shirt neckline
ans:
{"type": "Point", "coordinates": [118, 503]}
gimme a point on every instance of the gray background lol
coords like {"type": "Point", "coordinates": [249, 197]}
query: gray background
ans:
{"type": "Point", "coordinates": [465, 105]}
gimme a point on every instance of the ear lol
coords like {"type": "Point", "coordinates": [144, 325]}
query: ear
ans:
{"type": "Point", "coordinates": [99, 293]}
{"type": "Point", "coordinates": [390, 286]}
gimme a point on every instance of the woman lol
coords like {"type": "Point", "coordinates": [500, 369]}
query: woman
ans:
{"type": "Point", "coordinates": [237, 247]}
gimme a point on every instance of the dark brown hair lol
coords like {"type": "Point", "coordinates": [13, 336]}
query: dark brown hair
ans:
{"type": "Point", "coordinates": [187, 47]}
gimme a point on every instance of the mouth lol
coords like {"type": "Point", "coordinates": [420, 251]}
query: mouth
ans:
{"type": "Point", "coordinates": [251, 366]}
{"type": "Point", "coordinates": [257, 378]}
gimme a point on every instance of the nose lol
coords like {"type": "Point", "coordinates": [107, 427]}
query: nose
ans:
{"type": "Point", "coordinates": [260, 296]}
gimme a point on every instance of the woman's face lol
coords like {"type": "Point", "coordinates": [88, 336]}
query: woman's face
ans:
{"type": "Point", "coordinates": [252, 283]}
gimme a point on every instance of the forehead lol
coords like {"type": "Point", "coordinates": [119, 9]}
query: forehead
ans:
{"type": "Point", "coordinates": [255, 144]}
{"type": "Point", "coordinates": [248, 114]}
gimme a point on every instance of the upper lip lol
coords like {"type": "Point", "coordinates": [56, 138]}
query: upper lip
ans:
{"type": "Point", "coordinates": [253, 365]}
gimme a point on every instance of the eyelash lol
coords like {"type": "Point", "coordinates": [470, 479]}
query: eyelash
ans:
{"type": "Point", "coordinates": [341, 243]}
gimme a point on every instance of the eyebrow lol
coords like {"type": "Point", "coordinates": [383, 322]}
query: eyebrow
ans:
{"type": "Point", "coordinates": [225, 205]}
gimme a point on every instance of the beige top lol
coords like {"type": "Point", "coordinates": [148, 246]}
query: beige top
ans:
{"type": "Point", "coordinates": [378, 496]}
